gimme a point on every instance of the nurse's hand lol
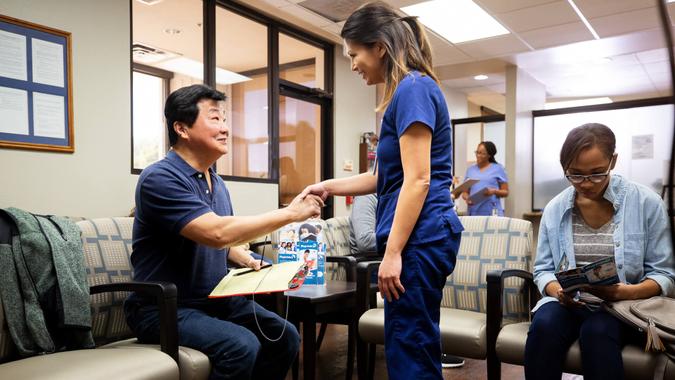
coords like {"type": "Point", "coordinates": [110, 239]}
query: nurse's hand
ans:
{"type": "Point", "coordinates": [318, 189]}
{"type": "Point", "coordinates": [389, 276]}
{"type": "Point", "coordinates": [490, 191]}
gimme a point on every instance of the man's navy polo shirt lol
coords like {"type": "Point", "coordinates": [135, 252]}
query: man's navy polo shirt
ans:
{"type": "Point", "coordinates": [169, 195]}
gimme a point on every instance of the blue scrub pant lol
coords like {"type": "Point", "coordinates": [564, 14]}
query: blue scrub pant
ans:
{"type": "Point", "coordinates": [555, 327]}
{"type": "Point", "coordinates": [225, 330]}
{"type": "Point", "coordinates": [412, 337]}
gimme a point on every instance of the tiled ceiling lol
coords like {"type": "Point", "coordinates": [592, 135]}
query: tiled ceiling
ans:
{"type": "Point", "coordinates": [547, 39]}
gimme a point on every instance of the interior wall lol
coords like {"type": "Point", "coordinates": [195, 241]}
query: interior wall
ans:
{"type": "Point", "coordinates": [354, 114]}
{"type": "Point", "coordinates": [95, 180]}
{"type": "Point", "coordinates": [523, 94]}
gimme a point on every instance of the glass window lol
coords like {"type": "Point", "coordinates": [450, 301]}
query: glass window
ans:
{"type": "Point", "coordinates": [299, 146]}
{"type": "Point", "coordinates": [167, 39]}
{"type": "Point", "coordinates": [300, 62]}
{"type": "Point", "coordinates": [149, 132]}
{"type": "Point", "coordinates": [242, 74]}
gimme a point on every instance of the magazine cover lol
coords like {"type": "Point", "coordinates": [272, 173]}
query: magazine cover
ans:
{"type": "Point", "coordinates": [304, 241]}
{"type": "Point", "coordinates": [601, 272]}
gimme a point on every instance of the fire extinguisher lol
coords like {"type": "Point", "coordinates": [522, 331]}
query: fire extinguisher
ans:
{"type": "Point", "coordinates": [349, 199]}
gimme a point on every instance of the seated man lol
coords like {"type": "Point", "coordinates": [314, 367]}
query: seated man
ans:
{"type": "Point", "coordinates": [183, 227]}
{"type": "Point", "coordinates": [362, 242]}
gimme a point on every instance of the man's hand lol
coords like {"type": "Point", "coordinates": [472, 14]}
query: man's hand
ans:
{"type": "Point", "coordinates": [318, 189]}
{"type": "Point", "coordinates": [253, 263]}
{"type": "Point", "coordinates": [389, 276]}
{"type": "Point", "coordinates": [306, 206]}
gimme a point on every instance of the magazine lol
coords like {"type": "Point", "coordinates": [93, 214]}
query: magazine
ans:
{"type": "Point", "coordinates": [304, 241]}
{"type": "Point", "coordinates": [601, 272]}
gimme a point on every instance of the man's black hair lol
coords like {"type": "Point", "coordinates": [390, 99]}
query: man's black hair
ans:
{"type": "Point", "coordinates": [181, 106]}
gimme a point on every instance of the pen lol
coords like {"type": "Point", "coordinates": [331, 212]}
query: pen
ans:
{"type": "Point", "coordinates": [252, 270]}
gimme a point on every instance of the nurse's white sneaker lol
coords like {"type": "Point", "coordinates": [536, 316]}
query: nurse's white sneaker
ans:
{"type": "Point", "coordinates": [449, 361]}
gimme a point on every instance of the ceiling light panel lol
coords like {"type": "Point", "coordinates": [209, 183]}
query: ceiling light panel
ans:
{"type": "Point", "coordinates": [457, 21]}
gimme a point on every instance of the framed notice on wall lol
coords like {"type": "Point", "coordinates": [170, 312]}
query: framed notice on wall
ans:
{"type": "Point", "coordinates": [36, 110]}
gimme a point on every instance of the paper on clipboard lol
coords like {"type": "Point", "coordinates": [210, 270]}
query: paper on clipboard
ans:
{"type": "Point", "coordinates": [465, 186]}
{"type": "Point", "coordinates": [276, 278]}
{"type": "Point", "coordinates": [479, 196]}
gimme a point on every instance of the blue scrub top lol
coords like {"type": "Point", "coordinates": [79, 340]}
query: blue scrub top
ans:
{"type": "Point", "coordinates": [493, 176]}
{"type": "Point", "coordinates": [416, 99]}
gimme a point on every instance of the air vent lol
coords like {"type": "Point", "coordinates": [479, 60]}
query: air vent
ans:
{"type": "Point", "coordinates": [150, 55]}
{"type": "Point", "coordinates": [335, 11]}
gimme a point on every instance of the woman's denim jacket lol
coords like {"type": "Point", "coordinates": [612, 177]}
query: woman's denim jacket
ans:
{"type": "Point", "coordinates": [642, 246]}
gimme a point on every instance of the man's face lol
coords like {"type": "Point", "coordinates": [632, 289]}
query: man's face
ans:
{"type": "Point", "coordinates": [209, 133]}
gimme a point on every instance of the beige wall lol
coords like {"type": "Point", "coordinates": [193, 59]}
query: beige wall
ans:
{"type": "Point", "coordinates": [354, 112]}
{"type": "Point", "coordinates": [96, 179]}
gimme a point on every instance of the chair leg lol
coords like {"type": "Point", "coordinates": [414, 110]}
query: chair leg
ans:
{"type": "Point", "coordinates": [351, 346]}
{"type": "Point", "coordinates": [361, 359]}
{"type": "Point", "coordinates": [371, 361]}
{"type": "Point", "coordinates": [494, 367]}
{"type": "Point", "coordinates": [322, 333]}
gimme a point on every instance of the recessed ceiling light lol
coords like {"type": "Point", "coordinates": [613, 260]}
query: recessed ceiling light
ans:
{"type": "Point", "coordinates": [583, 19]}
{"type": "Point", "coordinates": [576, 103]}
{"type": "Point", "coordinates": [480, 77]}
{"type": "Point", "coordinates": [457, 20]}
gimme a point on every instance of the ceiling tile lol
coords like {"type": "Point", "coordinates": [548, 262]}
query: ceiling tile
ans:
{"type": "Point", "coordinates": [445, 53]}
{"type": "Point", "coordinates": [542, 16]}
{"type": "Point", "coordinates": [654, 55]}
{"type": "Point", "coordinates": [657, 68]}
{"type": "Point", "coordinates": [278, 3]}
{"type": "Point", "coordinates": [493, 47]}
{"type": "Point", "coordinates": [501, 6]}
{"type": "Point", "coordinates": [557, 35]}
{"type": "Point", "coordinates": [600, 8]}
{"type": "Point", "coordinates": [626, 22]}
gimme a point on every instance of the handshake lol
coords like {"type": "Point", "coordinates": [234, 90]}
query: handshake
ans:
{"type": "Point", "coordinates": [309, 202]}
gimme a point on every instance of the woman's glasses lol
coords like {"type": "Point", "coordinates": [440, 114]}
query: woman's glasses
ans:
{"type": "Point", "coordinates": [593, 178]}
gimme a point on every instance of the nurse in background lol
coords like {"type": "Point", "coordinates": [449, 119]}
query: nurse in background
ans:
{"type": "Point", "coordinates": [493, 182]}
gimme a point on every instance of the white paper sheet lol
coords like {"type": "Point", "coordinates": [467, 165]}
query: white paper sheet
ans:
{"type": "Point", "coordinates": [13, 111]}
{"type": "Point", "coordinates": [47, 62]}
{"type": "Point", "coordinates": [49, 115]}
{"type": "Point", "coordinates": [13, 56]}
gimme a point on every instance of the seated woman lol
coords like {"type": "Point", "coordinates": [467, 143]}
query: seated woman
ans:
{"type": "Point", "coordinates": [600, 215]}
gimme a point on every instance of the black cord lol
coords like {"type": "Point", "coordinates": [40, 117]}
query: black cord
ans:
{"type": "Point", "coordinates": [665, 24]}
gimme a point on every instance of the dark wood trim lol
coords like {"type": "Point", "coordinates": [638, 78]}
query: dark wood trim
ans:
{"type": "Point", "coordinates": [273, 102]}
{"type": "Point", "coordinates": [209, 29]}
{"type": "Point", "coordinates": [486, 111]}
{"type": "Point", "coordinates": [234, 178]}
{"type": "Point", "coordinates": [282, 67]}
{"type": "Point", "coordinates": [479, 119]}
{"type": "Point", "coordinates": [607, 106]}
{"type": "Point", "coordinates": [150, 70]}
{"type": "Point", "coordinates": [131, 88]}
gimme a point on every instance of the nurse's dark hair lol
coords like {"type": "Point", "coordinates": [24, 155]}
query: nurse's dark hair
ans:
{"type": "Point", "coordinates": [586, 137]}
{"type": "Point", "coordinates": [181, 106]}
{"type": "Point", "coordinates": [403, 38]}
{"type": "Point", "coordinates": [491, 150]}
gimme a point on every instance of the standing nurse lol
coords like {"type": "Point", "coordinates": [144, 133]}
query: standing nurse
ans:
{"type": "Point", "coordinates": [417, 229]}
{"type": "Point", "coordinates": [493, 182]}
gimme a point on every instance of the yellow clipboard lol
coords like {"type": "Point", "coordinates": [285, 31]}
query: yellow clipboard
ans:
{"type": "Point", "coordinates": [275, 278]}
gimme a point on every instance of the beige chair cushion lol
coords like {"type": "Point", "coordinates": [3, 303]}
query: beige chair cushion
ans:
{"type": "Point", "coordinates": [194, 365]}
{"type": "Point", "coordinates": [637, 363]}
{"type": "Point", "coordinates": [100, 363]}
{"type": "Point", "coordinates": [462, 332]}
